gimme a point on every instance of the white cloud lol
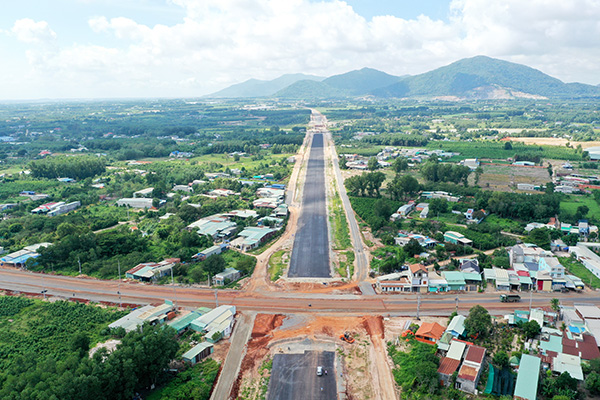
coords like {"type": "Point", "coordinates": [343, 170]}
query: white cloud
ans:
{"type": "Point", "coordinates": [29, 31]}
{"type": "Point", "coordinates": [220, 42]}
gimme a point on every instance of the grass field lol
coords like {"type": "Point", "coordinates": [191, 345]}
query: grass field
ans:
{"type": "Point", "coordinates": [277, 264]}
{"type": "Point", "coordinates": [571, 205]}
{"type": "Point", "coordinates": [339, 224]}
{"type": "Point", "coordinates": [246, 162]}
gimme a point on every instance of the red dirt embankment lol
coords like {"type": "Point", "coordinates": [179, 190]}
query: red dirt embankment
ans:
{"type": "Point", "coordinates": [262, 334]}
{"type": "Point", "coordinates": [374, 326]}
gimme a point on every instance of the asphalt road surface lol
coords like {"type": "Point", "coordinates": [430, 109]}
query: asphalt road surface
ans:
{"type": "Point", "coordinates": [272, 302]}
{"type": "Point", "coordinates": [310, 254]}
{"type": "Point", "coordinates": [231, 367]}
{"type": "Point", "coordinates": [294, 377]}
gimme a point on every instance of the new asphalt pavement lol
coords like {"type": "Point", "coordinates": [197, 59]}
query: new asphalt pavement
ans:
{"type": "Point", "coordinates": [310, 254]}
{"type": "Point", "coordinates": [294, 377]}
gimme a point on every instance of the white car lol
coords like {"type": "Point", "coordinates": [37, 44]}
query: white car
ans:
{"type": "Point", "coordinates": [319, 371]}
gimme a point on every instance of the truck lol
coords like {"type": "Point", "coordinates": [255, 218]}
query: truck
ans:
{"type": "Point", "coordinates": [510, 298]}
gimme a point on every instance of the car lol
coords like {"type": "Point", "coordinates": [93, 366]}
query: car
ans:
{"type": "Point", "coordinates": [319, 371]}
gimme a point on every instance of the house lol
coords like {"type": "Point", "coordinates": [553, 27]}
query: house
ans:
{"type": "Point", "coordinates": [543, 281]}
{"type": "Point", "coordinates": [450, 363]}
{"type": "Point", "coordinates": [395, 282]}
{"type": "Point", "coordinates": [150, 314]}
{"type": "Point", "coordinates": [455, 280]}
{"type": "Point", "coordinates": [457, 238]}
{"type": "Point", "coordinates": [182, 188]}
{"type": "Point", "coordinates": [469, 265]}
{"type": "Point", "coordinates": [527, 186]}
{"type": "Point", "coordinates": [46, 208]}
{"type": "Point", "coordinates": [470, 371]}
{"type": "Point", "coordinates": [582, 345]}
{"type": "Point", "coordinates": [225, 277]}
{"type": "Point", "coordinates": [457, 326]}
{"type": "Point", "coordinates": [64, 208]}
{"type": "Point", "coordinates": [19, 258]}
{"type": "Point", "coordinates": [146, 272]}
{"type": "Point", "coordinates": [198, 352]}
{"type": "Point", "coordinates": [404, 237]}
{"type": "Point", "coordinates": [212, 250]}
{"type": "Point", "coordinates": [217, 323]}
{"type": "Point", "coordinates": [437, 284]}
{"type": "Point", "coordinates": [215, 226]}
{"type": "Point", "coordinates": [252, 237]}
{"type": "Point", "coordinates": [144, 193]}
{"type": "Point", "coordinates": [528, 378]}
{"type": "Point", "coordinates": [472, 163]}
{"type": "Point", "coordinates": [406, 209]}
{"type": "Point", "coordinates": [568, 363]}
{"type": "Point", "coordinates": [553, 266]}
{"type": "Point", "coordinates": [419, 277]}
{"type": "Point", "coordinates": [221, 193]}
{"type": "Point", "coordinates": [138, 202]}
{"type": "Point", "coordinates": [429, 332]}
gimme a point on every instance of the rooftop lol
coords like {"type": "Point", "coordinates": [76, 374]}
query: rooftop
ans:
{"type": "Point", "coordinates": [448, 366]}
{"type": "Point", "coordinates": [528, 377]}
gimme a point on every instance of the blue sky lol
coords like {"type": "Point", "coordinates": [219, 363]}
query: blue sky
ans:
{"type": "Point", "coordinates": [187, 48]}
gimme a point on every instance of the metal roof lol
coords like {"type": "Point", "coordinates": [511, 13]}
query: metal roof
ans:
{"type": "Point", "coordinates": [528, 377]}
{"type": "Point", "coordinates": [456, 350]}
{"type": "Point", "coordinates": [197, 349]}
{"type": "Point", "coordinates": [457, 324]}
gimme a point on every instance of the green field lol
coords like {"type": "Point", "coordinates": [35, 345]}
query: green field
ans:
{"type": "Point", "coordinates": [570, 206]}
{"type": "Point", "coordinates": [277, 265]}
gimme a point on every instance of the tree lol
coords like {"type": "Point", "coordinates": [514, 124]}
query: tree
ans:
{"type": "Point", "coordinates": [438, 206]}
{"type": "Point", "coordinates": [400, 164]}
{"type": "Point", "coordinates": [549, 188]}
{"type": "Point", "coordinates": [478, 322]}
{"type": "Point", "coordinates": [372, 164]}
{"type": "Point", "coordinates": [592, 383]}
{"type": "Point", "coordinates": [500, 359]}
{"type": "Point", "coordinates": [403, 185]}
{"type": "Point", "coordinates": [478, 173]}
{"type": "Point", "coordinates": [343, 163]}
{"type": "Point", "coordinates": [531, 329]}
{"type": "Point", "coordinates": [413, 247]}
{"type": "Point", "coordinates": [555, 304]}
{"type": "Point", "coordinates": [508, 146]}
{"type": "Point", "coordinates": [214, 264]}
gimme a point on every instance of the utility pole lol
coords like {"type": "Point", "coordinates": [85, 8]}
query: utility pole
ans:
{"type": "Point", "coordinates": [456, 299]}
{"type": "Point", "coordinates": [43, 286]}
{"type": "Point", "coordinates": [418, 305]}
{"type": "Point", "coordinates": [119, 284]}
{"type": "Point", "coordinates": [530, 300]}
{"type": "Point", "coordinates": [79, 262]}
{"type": "Point", "coordinates": [174, 292]}
{"type": "Point", "coordinates": [216, 298]}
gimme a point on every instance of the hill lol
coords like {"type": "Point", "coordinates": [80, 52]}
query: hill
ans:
{"type": "Point", "coordinates": [310, 90]}
{"type": "Point", "coordinates": [484, 78]}
{"type": "Point", "coordinates": [261, 88]}
{"type": "Point", "coordinates": [361, 82]}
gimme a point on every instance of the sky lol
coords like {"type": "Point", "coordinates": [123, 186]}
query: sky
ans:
{"type": "Point", "coordinates": [188, 48]}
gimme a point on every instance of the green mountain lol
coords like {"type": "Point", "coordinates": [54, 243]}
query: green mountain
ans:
{"type": "Point", "coordinates": [261, 88]}
{"type": "Point", "coordinates": [485, 77]}
{"type": "Point", "coordinates": [361, 81]}
{"type": "Point", "coordinates": [310, 90]}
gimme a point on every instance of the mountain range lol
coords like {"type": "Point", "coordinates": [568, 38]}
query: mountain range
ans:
{"type": "Point", "coordinates": [478, 77]}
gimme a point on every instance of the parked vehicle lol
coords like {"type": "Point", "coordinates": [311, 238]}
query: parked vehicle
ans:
{"type": "Point", "coordinates": [319, 370]}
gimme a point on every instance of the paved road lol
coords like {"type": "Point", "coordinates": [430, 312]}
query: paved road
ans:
{"type": "Point", "coordinates": [231, 367]}
{"type": "Point", "coordinates": [273, 302]}
{"type": "Point", "coordinates": [362, 261]}
{"type": "Point", "coordinates": [294, 377]}
{"type": "Point", "coordinates": [310, 254]}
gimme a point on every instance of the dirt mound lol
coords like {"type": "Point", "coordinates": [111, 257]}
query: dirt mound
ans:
{"type": "Point", "coordinates": [314, 287]}
{"type": "Point", "coordinates": [374, 326]}
{"type": "Point", "coordinates": [265, 324]}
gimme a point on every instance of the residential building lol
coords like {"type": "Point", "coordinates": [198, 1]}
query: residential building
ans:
{"type": "Point", "coordinates": [212, 250]}
{"type": "Point", "coordinates": [215, 226]}
{"type": "Point", "coordinates": [472, 163]}
{"type": "Point", "coordinates": [553, 266]}
{"type": "Point", "coordinates": [441, 195]}
{"type": "Point", "coordinates": [470, 371]}
{"type": "Point", "coordinates": [581, 345]}
{"type": "Point", "coordinates": [144, 193]}
{"type": "Point", "coordinates": [404, 237]}
{"type": "Point", "coordinates": [450, 363]}
{"type": "Point", "coordinates": [138, 202]}
{"type": "Point", "coordinates": [198, 353]}
{"type": "Point", "coordinates": [227, 276]}
{"type": "Point", "coordinates": [526, 252]}
{"type": "Point", "coordinates": [437, 284]}
{"type": "Point", "coordinates": [457, 238]}
{"type": "Point", "coordinates": [455, 280]}
{"type": "Point", "coordinates": [587, 257]}
{"type": "Point", "coordinates": [457, 326]}
{"type": "Point", "coordinates": [252, 237]}
{"type": "Point", "coordinates": [183, 188]}
{"type": "Point", "coordinates": [146, 272]}
{"type": "Point", "coordinates": [19, 258]}
{"type": "Point", "coordinates": [150, 314]}
{"type": "Point", "coordinates": [528, 378]}
{"type": "Point", "coordinates": [64, 208]}
{"type": "Point", "coordinates": [568, 363]}
{"type": "Point", "coordinates": [469, 265]}
{"type": "Point", "coordinates": [395, 282]}
{"type": "Point", "coordinates": [217, 323]}
{"type": "Point", "coordinates": [429, 332]}
{"type": "Point", "coordinates": [419, 277]}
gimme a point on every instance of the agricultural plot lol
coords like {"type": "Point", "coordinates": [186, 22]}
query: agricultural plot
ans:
{"type": "Point", "coordinates": [507, 177]}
